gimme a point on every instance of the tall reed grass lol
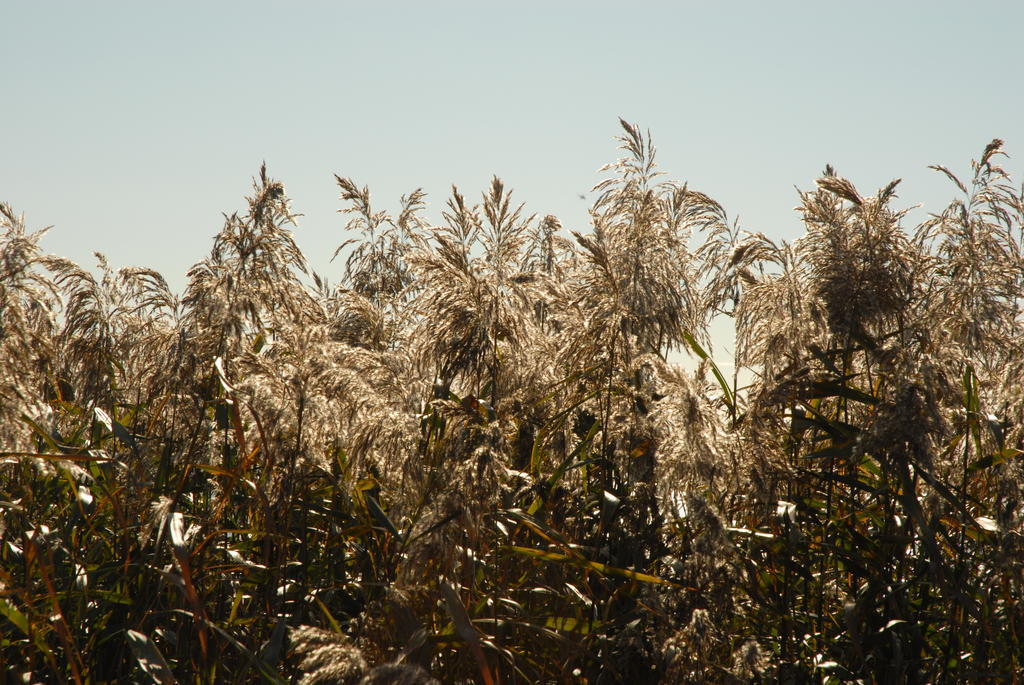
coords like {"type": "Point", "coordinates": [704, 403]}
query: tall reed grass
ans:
{"type": "Point", "coordinates": [476, 458]}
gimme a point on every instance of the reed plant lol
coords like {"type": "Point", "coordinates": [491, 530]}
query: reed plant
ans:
{"type": "Point", "coordinates": [477, 456]}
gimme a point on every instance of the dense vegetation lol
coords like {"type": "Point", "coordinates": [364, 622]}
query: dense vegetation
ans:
{"type": "Point", "coordinates": [478, 458]}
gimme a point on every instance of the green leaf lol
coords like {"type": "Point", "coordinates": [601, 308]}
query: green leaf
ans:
{"type": "Point", "coordinates": [21, 622]}
{"type": "Point", "coordinates": [14, 616]}
{"type": "Point", "coordinates": [123, 434]}
{"type": "Point", "coordinates": [995, 459]}
{"type": "Point", "coordinates": [265, 670]}
{"type": "Point", "coordinates": [568, 624]}
{"type": "Point", "coordinates": [567, 463]}
{"type": "Point", "coordinates": [465, 629]}
{"type": "Point", "coordinates": [460, 617]}
{"type": "Point", "coordinates": [604, 569]}
{"type": "Point", "coordinates": [268, 673]}
{"type": "Point", "coordinates": [540, 528]}
{"type": "Point", "coordinates": [217, 470]}
{"type": "Point", "coordinates": [699, 351]}
{"type": "Point", "coordinates": [71, 456]}
{"type": "Point", "coordinates": [151, 661]}
{"type": "Point", "coordinates": [833, 389]}
{"type": "Point", "coordinates": [42, 433]}
{"type": "Point", "coordinates": [273, 649]}
{"type": "Point", "coordinates": [112, 596]}
{"type": "Point", "coordinates": [331, 621]}
{"type": "Point", "coordinates": [380, 516]}
{"type": "Point", "coordinates": [843, 450]}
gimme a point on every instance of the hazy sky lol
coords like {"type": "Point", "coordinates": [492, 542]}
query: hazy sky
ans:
{"type": "Point", "coordinates": [132, 126]}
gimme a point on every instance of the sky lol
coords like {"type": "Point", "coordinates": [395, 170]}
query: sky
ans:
{"type": "Point", "coordinates": [132, 128]}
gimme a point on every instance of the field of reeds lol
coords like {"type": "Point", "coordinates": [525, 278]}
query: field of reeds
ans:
{"type": "Point", "coordinates": [500, 451]}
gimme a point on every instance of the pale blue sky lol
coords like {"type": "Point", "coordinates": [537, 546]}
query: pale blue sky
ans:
{"type": "Point", "coordinates": [132, 126]}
